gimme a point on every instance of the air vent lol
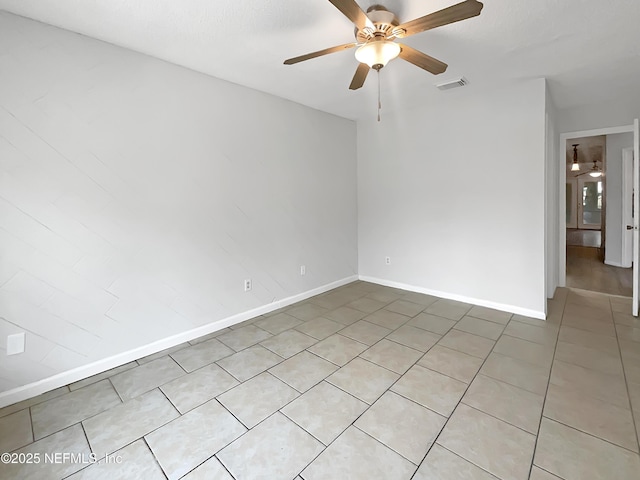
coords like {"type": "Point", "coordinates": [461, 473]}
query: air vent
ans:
{"type": "Point", "coordinates": [458, 82]}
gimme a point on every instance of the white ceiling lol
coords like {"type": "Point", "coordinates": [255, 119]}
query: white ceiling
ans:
{"type": "Point", "coordinates": [589, 50]}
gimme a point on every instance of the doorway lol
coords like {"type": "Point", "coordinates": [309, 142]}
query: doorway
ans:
{"type": "Point", "coordinates": [593, 234]}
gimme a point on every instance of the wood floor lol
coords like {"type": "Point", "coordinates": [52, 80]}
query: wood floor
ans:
{"type": "Point", "coordinates": [587, 271]}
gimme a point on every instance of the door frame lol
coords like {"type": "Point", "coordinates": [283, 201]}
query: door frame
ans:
{"type": "Point", "coordinates": [562, 198]}
{"type": "Point", "coordinates": [627, 207]}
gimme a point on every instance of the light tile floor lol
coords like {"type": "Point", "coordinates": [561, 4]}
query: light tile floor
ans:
{"type": "Point", "coordinates": [363, 382]}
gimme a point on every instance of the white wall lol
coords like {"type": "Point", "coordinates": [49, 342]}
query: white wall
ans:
{"type": "Point", "coordinates": [135, 197]}
{"type": "Point", "coordinates": [614, 224]}
{"type": "Point", "coordinates": [613, 113]}
{"type": "Point", "coordinates": [454, 193]}
{"type": "Point", "coordinates": [552, 176]}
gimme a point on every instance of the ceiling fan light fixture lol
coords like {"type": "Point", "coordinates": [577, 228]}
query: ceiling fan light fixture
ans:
{"type": "Point", "coordinates": [377, 53]}
{"type": "Point", "coordinates": [596, 173]}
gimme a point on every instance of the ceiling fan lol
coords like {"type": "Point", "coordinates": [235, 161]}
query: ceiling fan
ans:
{"type": "Point", "coordinates": [595, 171]}
{"type": "Point", "coordinates": [377, 29]}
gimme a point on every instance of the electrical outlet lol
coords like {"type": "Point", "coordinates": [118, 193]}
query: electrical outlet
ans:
{"type": "Point", "coordinates": [247, 285]}
{"type": "Point", "coordinates": [387, 260]}
{"type": "Point", "coordinates": [303, 269]}
{"type": "Point", "coordinates": [15, 343]}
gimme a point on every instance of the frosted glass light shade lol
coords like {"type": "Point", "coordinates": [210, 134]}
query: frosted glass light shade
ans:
{"type": "Point", "coordinates": [377, 52]}
{"type": "Point", "coordinates": [595, 174]}
{"type": "Point", "coordinates": [575, 167]}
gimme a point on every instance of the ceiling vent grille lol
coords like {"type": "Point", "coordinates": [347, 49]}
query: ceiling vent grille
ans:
{"type": "Point", "coordinates": [458, 82]}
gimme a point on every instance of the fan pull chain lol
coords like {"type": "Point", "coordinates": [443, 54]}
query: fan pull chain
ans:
{"type": "Point", "coordinates": [379, 102]}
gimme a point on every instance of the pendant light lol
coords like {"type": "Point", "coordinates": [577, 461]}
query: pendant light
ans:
{"type": "Point", "coordinates": [575, 166]}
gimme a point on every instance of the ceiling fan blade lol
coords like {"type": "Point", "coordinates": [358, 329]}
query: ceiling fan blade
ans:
{"type": "Point", "coordinates": [422, 60]}
{"type": "Point", "coordinates": [455, 13]}
{"type": "Point", "coordinates": [353, 12]}
{"type": "Point", "coordinates": [319, 53]}
{"type": "Point", "coordinates": [359, 77]}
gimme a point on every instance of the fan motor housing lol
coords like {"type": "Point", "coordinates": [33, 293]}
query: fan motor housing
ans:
{"type": "Point", "coordinates": [383, 21]}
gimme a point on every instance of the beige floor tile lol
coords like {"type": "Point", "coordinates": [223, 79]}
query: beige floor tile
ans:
{"type": "Point", "coordinates": [363, 380]}
{"type": "Point", "coordinates": [414, 337]}
{"type": "Point", "coordinates": [303, 371]}
{"type": "Point", "coordinates": [367, 305]}
{"type": "Point", "coordinates": [212, 469]}
{"type": "Point", "coordinates": [620, 304]}
{"type": "Point", "coordinates": [196, 388]}
{"type": "Point", "coordinates": [276, 449]}
{"type": "Point", "coordinates": [405, 307]}
{"type": "Point", "coordinates": [306, 311]}
{"type": "Point", "coordinates": [588, 339]}
{"type": "Point", "coordinates": [70, 440]}
{"type": "Point", "coordinates": [246, 323]}
{"type": "Point", "coordinates": [357, 456]}
{"type": "Point", "coordinates": [452, 363]}
{"type": "Point", "coordinates": [365, 332]}
{"type": "Point", "coordinates": [514, 405]}
{"type": "Point", "coordinates": [541, 335]}
{"type": "Point", "coordinates": [450, 309]}
{"type": "Point", "coordinates": [15, 431]}
{"type": "Point", "coordinates": [338, 349]}
{"type": "Point", "coordinates": [589, 358]}
{"type": "Point", "coordinates": [634, 395]}
{"type": "Point", "coordinates": [16, 407]}
{"type": "Point", "coordinates": [250, 362]}
{"type": "Point", "coordinates": [136, 461]}
{"type": "Point", "coordinates": [320, 328]}
{"type": "Point", "coordinates": [111, 430]}
{"type": "Point", "coordinates": [102, 376]}
{"type": "Point", "coordinates": [430, 389]}
{"type": "Point", "coordinates": [467, 343]}
{"type": "Point", "coordinates": [243, 337]}
{"type": "Point", "coordinates": [531, 352]}
{"type": "Point", "coordinates": [392, 356]}
{"type": "Point", "coordinates": [209, 336]}
{"type": "Point", "coordinates": [432, 323]}
{"type": "Point", "coordinates": [384, 296]}
{"type": "Point", "coordinates": [605, 387]}
{"type": "Point", "coordinates": [201, 354]}
{"type": "Point", "coordinates": [420, 298]}
{"type": "Point", "coordinates": [288, 343]}
{"type": "Point", "coordinates": [325, 411]}
{"type": "Point", "coordinates": [387, 319]}
{"type": "Point", "coordinates": [144, 378]}
{"type": "Point", "coordinates": [189, 440]}
{"type": "Point", "coordinates": [574, 455]}
{"type": "Point", "coordinates": [161, 354]}
{"type": "Point", "coordinates": [402, 425]}
{"type": "Point", "coordinates": [334, 299]}
{"type": "Point", "coordinates": [493, 445]}
{"type": "Point", "coordinates": [536, 322]}
{"type": "Point", "coordinates": [595, 326]}
{"type": "Point", "coordinates": [626, 319]}
{"type": "Point", "coordinates": [517, 372]}
{"type": "Point", "coordinates": [278, 323]}
{"type": "Point", "coordinates": [628, 333]}
{"type": "Point", "coordinates": [539, 474]}
{"type": "Point", "coordinates": [490, 314]}
{"type": "Point", "coordinates": [477, 326]}
{"type": "Point", "coordinates": [62, 412]}
{"type": "Point", "coordinates": [256, 399]}
{"type": "Point", "coordinates": [590, 415]}
{"type": "Point", "coordinates": [345, 315]}
{"type": "Point", "coordinates": [441, 464]}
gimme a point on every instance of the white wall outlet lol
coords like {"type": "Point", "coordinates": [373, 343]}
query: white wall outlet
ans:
{"type": "Point", "coordinates": [15, 343]}
{"type": "Point", "coordinates": [303, 269]}
{"type": "Point", "coordinates": [247, 285]}
{"type": "Point", "coordinates": [387, 260]}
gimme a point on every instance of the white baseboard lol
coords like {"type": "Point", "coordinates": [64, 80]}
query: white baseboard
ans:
{"type": "Point", "coordinates": [616, 264]}
{"type": "Point", "coordinates": [65, 378]}
{"type": "Point", "coordinates": [460, 298]}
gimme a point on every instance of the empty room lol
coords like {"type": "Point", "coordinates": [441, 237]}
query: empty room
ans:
{"type": "Point", "coordinates": [319, 239]}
